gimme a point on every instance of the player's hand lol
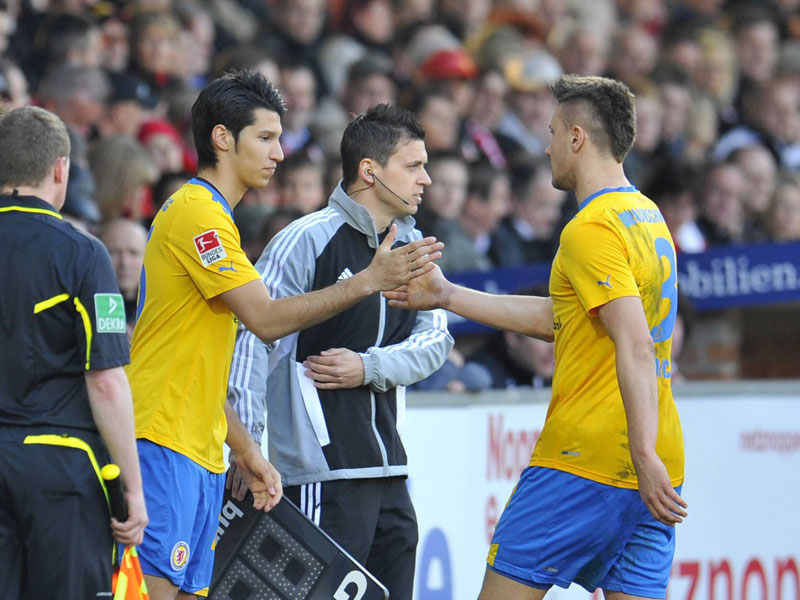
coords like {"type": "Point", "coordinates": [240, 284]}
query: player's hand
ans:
{"type": "Point", "coordinates": [657, 493]}
{"type": "Point", "coordinates": [335, 369]}
{"type": "Point", "coordinates": [425, 292]}
{"type": "Point", "coordinates": [390, 269]}
{"type": "Point", "coordinates": [131, 532]}
{"type": "Point", "coordinates": [234, 481]}
{"type": "Point", "coordinates": [260, 477]}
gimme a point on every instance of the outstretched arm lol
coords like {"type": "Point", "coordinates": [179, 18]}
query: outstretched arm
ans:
{"type": "Point", "coordinates": [528, 315]}
{"type": "Point", "coordinates": [625, 322]}
{"type": "Point", "coordinates": [271, 319]}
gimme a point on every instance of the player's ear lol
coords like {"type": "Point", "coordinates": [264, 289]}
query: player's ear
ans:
{"type": "Point", "coordinates": [221, 138]}
{"type": "Point", "coordinates": [578, 138]}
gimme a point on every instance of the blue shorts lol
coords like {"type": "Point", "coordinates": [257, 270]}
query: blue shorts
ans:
{"type": "Point", "coordinates": [183, 503]}
{"type": "Point", "coordinates": [559, 528]}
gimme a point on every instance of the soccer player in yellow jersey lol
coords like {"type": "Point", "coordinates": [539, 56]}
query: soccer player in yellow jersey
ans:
{"type": "Point", "coordinates": [598, 504]}
{"type": "Point", "coordinates": [196, 284]}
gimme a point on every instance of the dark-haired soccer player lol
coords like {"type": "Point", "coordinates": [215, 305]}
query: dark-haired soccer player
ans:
{"type": "Point", "coordinates": [598, 504]}
{"type": "Point", "coordinates": [196, 283]}
{"type": "Point", "coordinates": [335, 393]}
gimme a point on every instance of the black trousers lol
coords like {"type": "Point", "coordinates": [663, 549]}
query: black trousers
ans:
{"type": "Point", "coordinates": [373, 519]}
{"type": "Point", "coordinates": [55, 538]}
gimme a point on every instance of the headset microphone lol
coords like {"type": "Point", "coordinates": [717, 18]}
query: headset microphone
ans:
{"type": "Point", "coordinates": [395, 194]}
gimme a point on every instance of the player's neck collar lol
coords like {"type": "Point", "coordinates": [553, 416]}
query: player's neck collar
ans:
{"type": "Point", "coordinates": [627, 188]}
{"type": "Point", "coordinates": [216, 195]}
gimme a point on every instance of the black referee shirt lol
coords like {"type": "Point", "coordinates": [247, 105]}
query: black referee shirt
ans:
{"type": "Point", "coordinates": [61, 314]}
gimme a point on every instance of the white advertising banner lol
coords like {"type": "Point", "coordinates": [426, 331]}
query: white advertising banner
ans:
{"type": "Point", "coordinates": [741, 540]}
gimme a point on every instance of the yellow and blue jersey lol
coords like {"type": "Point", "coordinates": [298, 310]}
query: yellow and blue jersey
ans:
{"type": "Point", "coordinates": [616, 246]}
{"type": "Point", "coordinates": [184, 335]}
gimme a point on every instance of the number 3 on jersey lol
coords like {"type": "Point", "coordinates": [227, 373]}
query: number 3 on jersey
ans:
{"type": "Point", "coordinates": [669, 291]}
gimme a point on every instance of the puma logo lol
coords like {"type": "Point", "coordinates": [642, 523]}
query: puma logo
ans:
{"type": "Point", "coordinates": [231, 268]}
{"type": "Point", "coordinates": [606, 283]}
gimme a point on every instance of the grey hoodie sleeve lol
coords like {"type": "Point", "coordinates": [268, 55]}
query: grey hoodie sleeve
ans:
{"type": "Point", "coordinates": [413, 359]}
{"type": "Point", "coordinates": [247, 383]}
{"type": "Point", "coordinates": [287, 269]}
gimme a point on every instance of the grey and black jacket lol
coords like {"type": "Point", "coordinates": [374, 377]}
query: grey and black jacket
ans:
{"type": "Point", "coordinates": [321, 435]}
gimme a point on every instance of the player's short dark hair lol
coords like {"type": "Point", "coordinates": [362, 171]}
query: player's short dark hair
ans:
{"type": "Point", "coordinates": [604, 107]}
{"type": "Point", "coordinates": [31, 139]}
{"type": "Point", "coordinates": [376, 134]}
{"type": "Point", "coordinates": [230, 100]}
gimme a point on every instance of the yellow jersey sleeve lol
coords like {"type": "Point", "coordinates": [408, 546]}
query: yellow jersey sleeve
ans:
{"type": "Point", "coordinates": [207, 246]}
{"type": "Point", "coordinates": [599, 270]}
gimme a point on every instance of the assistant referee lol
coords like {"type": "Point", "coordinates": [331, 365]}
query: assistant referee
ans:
{"type": "Point", "coordinates": [64, 398]}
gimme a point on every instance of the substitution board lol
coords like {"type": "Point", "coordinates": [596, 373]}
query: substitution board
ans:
{"type": "Point", "coordinates": [283, 555]}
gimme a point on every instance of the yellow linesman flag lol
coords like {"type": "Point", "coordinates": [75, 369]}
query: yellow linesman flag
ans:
{"type": "Point", "coordinates": [128, 582]}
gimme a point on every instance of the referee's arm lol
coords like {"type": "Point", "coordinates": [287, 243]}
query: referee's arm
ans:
{"type": "Point", "coordinates": [112, 409]}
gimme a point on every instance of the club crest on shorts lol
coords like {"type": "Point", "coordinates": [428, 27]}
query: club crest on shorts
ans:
{"type": "Point", "coordinates": [179, 556]}
{"type": "Point", "coordinates": [209, 247]}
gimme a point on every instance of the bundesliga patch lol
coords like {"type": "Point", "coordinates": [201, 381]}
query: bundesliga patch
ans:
{"type": "Point", "coordinates": [109, 313]}
{"type": "Point", "coordinates": [209, 247]}
{"type": "Point", "coordinates": [179, 556]}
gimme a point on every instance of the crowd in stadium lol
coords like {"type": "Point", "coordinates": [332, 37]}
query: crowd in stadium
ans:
{"type": "Point", "coordinates": [718, 116]}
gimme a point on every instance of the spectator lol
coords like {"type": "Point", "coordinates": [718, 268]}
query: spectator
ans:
{"type": "Point", "coordinates": [371, 23]}
{"type": "Point", "coordinates": [529, 234]}
{"type": "Point", "coordinates": [249, 219]}
{"type": "Point", "coordinates": [784, 215]}
{"type": "Point", "coordinates": [195, 47]}
{"type": "Point", "coordinates": [671, 185]}
{"type": "Point", "coordinates": [717, 74]}
{"type": "Point", "coordinates": [584, 51]}
{"type": "Point", "coordinates": [154, 48]}
{"type": "Point", "coordinates": [123, 172]}
{"type": "Point", "coordinates": [456, 375]}
{"type": "Point", "coordinates": [70, 39]}
{"type": "Point", "coordinates": [530, 101]}
{"type": "Point", "coordinates": [676, 106]}
{"type": "Point", "coordinates": [721, 205]}
{"type": "Point", "coordinates": [442, 206]}
{"type": "Point", "coordinates": [481, 140]}
{"type": "Point", "coordinates": [756, 38]}
{"type": "Point", "coordinates": [633, 55]}
{"type": "Point", "coordinates": [438, 115]}
{"type": "Point", "coordinates": [13, 85]}
{"type": "Point", "coordinates": [299, 88]}
{"type": "Point", "coordinates": [649, 119]}
{"type": "Point", "coordinates": [369, 82]}
{"type": "Point", "coordinates": [125, 240]}
{"type": "Point", "coordinates": [516, 360]}
{"type": "Point", "coordinates": [300, 183]}
{"type": "Point", "coordinates": [454, 70]}
{"type": "Point", "coordinates": [77, 95]}
{"type": "Point", "coordinates": [771, 116]}
{"type": "Point", "coordinates": [296, 31]}
{"type": "Point", "coordinates": [488, 203]}
{"type": "Point", "coordinates": [163, 143]}
{"type": "Point", "coordinates": [760, 171]}
{"type": "Point", "coordinates": [132, 102]}
{"type": "Point", "coordinates": [116, 44]}
{"type": "Point", "coordinates": [247, 57]}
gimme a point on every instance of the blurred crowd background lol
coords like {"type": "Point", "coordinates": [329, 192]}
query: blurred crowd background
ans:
{"type": "Point", "coordinates": [718, 113]}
